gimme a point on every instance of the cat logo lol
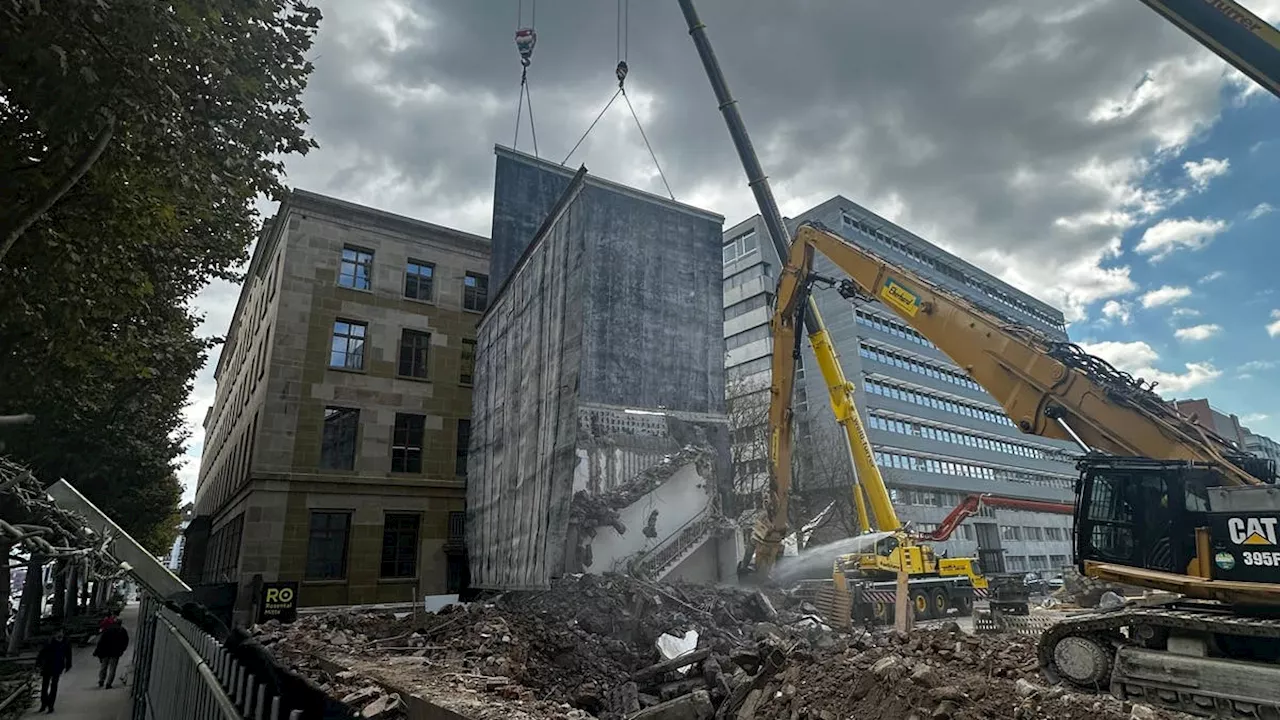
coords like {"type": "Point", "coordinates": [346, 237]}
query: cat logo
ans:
{"type": "Point", "coordinates": [1252, 531]}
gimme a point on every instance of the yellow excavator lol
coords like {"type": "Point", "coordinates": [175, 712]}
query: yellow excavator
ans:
{"type": "Point", "coordinates": [935, 585]}
{"type": "Point", "coordinates": [1161, 502]}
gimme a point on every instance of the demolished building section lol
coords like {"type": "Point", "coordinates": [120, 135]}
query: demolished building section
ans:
{"type": "Point", "coordinates": [599, 435]}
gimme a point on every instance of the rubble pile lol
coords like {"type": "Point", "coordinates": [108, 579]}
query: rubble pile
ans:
{"type": "Point", "coordinates": [928, 675]}
{"type": "Point", "coordinates": [589, 647]}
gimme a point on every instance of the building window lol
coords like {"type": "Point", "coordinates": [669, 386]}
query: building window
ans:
{"type": "Point", "coordinates": [475, 292]}
{"type": "Point", "coordinates": [338, 443]}
{"type": "Point", "coordinates": [347, 350]}
{"type": "Point", "coordinates": [400, 545]}
{"type": "Point", "coordinates": [467, 374]}
{"type": "Point", "coordinates": [327, 545]}
{"type": "Point", "coordinates": [464, 443]}
{"type": "Point", "coordinates": [457, 526]}
{"type": "Point", "coordinates": [356, 269]}
{"type": "Point", "coordinates": [740, 245]}
{"type": "Point", "coordinates": [406, 443]}
{"type": "Point", "coordinates": [418, 277]}
{"type": "Point", "coordinates": [413, 353]}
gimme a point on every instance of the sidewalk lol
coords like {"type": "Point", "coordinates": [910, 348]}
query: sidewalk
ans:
{"type": "Point", "coordinates": [80, 698]}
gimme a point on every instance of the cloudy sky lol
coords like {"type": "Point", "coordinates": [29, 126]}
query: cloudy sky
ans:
{"type": "Point", "coordinates": [1094, 156]}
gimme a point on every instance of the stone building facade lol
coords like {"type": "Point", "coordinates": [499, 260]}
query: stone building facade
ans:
{"type": "Point", "coordinates": [335, 450]}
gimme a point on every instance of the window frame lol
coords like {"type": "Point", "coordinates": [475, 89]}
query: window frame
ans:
{"type": "Point", "coordinates": [364, 341]}
{"type": "Point", "coordinates": [356, 263]}
{"type": "Point", "coordinates": [403, 451]}
{"type": "Point", "coordinates": [470, 292]}
{"type": "Point", "coordinates": [355, 439]}
{"type": "Point", "coordinates": [397, 559]}
{"type": "Point", "coordinates": [311, 561]}
{"type": "Point", "coordinates": [425, 349]}
{"type": "Point", "coordinates": [417, 277]}
{"type": "Point", "coordinates": [461, 452]}
{"type": "Point", "coordinates": [466, 378]}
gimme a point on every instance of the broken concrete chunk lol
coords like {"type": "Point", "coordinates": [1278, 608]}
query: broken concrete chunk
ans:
{"type": "Point", "coordinates": [1143, 712]}
{"type": "Point", "coordinates": [748, 709]}
{"type": "Point", "coordinates": [888, 665]}
{"type": "Point", "coordinates": [1025, 688]}
{"type": "Point", "coordinates": [925, 675]}
{"type": "Point", "coordinates": [361, 696]}
{"type": "Point", "coordinates": [381, 708]}
{"type": "Point", "coordinates": [694, 706]}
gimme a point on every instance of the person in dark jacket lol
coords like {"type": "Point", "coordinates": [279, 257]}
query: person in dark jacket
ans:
{"type": "Point", "coordinates": [112, 643]}
{"type": "Point", "coordinates": [53, 660]}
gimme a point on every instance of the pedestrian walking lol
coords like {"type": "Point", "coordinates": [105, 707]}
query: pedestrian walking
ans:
{"type": "Point", "coordinates": [112, 643]}
{"type": "Point", "coordinates": [53, 659]}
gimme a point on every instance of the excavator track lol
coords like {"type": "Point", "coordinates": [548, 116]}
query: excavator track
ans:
{"type": "Point", "coordinates": [1094, 652]}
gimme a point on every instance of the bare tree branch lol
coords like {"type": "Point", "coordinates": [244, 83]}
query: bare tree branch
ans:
{"type": "Point", "coordinates": [54, 194]}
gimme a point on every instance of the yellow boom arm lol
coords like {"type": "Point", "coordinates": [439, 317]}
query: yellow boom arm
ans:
{"type": "Point", "coordinates": [1047, 388]}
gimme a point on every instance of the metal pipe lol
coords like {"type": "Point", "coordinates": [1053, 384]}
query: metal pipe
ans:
{"type": "Point", "coordinates": [1083, 446]}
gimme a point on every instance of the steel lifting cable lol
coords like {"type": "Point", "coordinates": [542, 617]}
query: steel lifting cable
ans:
{"type": "Point", "coordinates": [620, 71]}
{"type": "Point", "coordinates": [526, 38]}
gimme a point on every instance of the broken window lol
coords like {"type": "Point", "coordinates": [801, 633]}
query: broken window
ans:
{"type": "Point", "coordinates": [400, 545]}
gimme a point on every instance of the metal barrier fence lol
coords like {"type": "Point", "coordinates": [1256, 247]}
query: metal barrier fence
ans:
{"type": "Point", "coordinates": [1032, 625]}
{"type": "Point", "coordinates": [183, 673]}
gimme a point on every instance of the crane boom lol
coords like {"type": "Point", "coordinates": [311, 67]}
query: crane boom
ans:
{"type": "Point", "coordinates": [1247, 42]}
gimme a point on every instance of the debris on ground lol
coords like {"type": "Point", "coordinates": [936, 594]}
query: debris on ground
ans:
{"type": "Point", "coordinates": [589, 648]}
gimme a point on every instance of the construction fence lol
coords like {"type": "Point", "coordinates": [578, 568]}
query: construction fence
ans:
{"type": "Point", "coordinates": [184, 671]}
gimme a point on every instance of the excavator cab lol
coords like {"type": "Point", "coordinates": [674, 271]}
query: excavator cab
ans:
{"type": "Point", "coordinates": [1150, 514]}
{"type": "Point", "coordinates": [1140, 512]}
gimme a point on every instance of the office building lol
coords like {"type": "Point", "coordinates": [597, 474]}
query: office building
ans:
{"type": "Point", "coordinates": [938, 435]}
{"type": "Point", "coordinates": [1228, 426]}
{"type": "Point", "coordinates": [1262, 446]}
{"type": "Point", "coordinates": [335, 450]}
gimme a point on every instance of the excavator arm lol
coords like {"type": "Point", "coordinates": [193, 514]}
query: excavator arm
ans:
{"type": "Point", "coordinates": [794, 313]}
{"type": "Point", "coordinates": [1048, 388]}
{"type": "Point", "coordinates": [974, 503]}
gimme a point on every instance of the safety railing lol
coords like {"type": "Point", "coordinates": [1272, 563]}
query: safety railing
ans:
{"type": "Point", "coordinates": [183, 673]}
{"type": "Point", "coordinates": [652, 563]}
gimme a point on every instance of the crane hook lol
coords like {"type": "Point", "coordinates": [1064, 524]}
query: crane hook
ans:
{"type": "Point", "coordinates": [526, 38]}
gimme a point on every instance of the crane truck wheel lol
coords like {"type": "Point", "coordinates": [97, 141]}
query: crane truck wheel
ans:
{"type": "Point", "coordinates": [964, 606]}
{"type": "Point", "coordinates": [939, 603]}
{"type": "Point", "coordinates": [920, 603]}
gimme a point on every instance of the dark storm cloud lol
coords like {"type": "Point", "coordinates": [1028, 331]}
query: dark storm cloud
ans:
{"type": "Point", "coordinates": [972, 121]}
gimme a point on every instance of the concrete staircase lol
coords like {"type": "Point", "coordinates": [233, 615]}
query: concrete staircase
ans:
{"type": "Point", "coordinates": [676, 547]}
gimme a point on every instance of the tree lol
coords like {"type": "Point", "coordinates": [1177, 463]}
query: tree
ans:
{"type": "Point", "coordinates": [817, 476]}
{"type": "Point", "coordinates": [134, 139]}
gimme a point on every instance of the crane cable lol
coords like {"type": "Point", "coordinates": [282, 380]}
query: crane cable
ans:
{"type": "Point", "coordinates": [526, 38]}
{"type": "Point", "coordinates": [620, 71]}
